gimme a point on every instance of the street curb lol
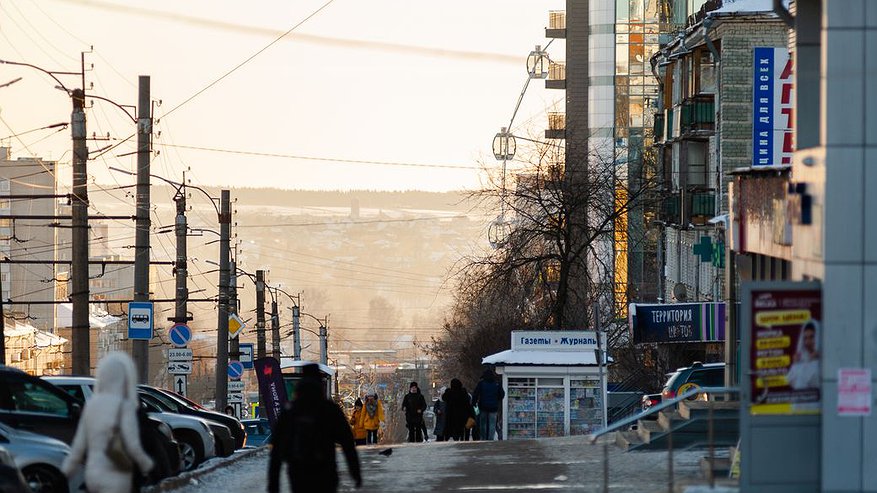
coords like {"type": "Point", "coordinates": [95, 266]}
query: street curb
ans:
{"type": "Point", "coordinates": [184, 479]}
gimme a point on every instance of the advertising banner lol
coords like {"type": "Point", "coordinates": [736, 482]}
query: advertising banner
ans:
{"type": "Point", "coordinates": [677, 322]}
{"type": "Point", "coordinates": [772, 99]}
{"type": "Point", "coordinates": [271, 388]}
{"type": "Point", "coordinates": [784, 350]}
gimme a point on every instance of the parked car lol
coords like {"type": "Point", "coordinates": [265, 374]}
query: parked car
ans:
{"type": "Point", "coordinates": [31, 404]}
{"type": "Point", "coordinates": [258, 431]}
{"type": "Point", "coordinates": [39, 458]}
{"type": "Point", "coordinates": [11, 479]}
{"type": "Point", "coordinates": [223, 441]}
{"type": "Point", "coordinates": [181, 405]}
{"type": "Point", "coordinates": [194, 436]}
{"type": "Point", "coordinates": [696, 375]}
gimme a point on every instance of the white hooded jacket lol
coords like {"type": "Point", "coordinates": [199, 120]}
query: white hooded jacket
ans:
{"type": "Point", "coordinates": [114, 404]}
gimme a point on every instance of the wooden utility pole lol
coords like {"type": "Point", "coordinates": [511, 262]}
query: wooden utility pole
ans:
{"type": "Point", "coordinates": [140, 349]}
{"type": "Point", "coordinates": [222, 322]}
{"type": "Point", "coordinates": [261, 350]}
{"type": "Point", "coordinates": [79, 237]}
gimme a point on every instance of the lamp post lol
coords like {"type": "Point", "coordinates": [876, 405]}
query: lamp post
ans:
{"type": "Point", "coordinates": [504, 144]}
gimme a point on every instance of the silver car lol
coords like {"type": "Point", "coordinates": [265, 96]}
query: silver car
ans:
{"type": "Point", "coordinates": [39, 458]}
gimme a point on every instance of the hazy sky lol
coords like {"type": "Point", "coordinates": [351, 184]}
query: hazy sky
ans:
{"type": "Point", "coordinates": [405, 81]}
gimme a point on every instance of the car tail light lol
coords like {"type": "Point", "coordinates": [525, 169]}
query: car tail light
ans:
{"type": "Point", "coordinates": [668, 394]}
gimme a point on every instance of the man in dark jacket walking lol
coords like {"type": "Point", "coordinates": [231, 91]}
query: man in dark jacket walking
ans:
{"type": "Point", "coordinates": [414, 404]}
{"type": "Point", "coordinates": [487, 396]}
{"type": "Point", "coordinates": [305, 438]}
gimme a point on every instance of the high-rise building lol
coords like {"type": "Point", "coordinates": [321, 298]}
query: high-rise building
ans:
{"type": "Point", "coordinates": [27, 239]}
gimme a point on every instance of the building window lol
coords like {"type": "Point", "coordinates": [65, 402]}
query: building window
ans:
{"type": "Point", "coordinates": [707, 73]}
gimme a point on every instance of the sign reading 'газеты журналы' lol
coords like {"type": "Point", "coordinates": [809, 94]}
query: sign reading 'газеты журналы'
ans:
{"type": "Point", "coordinates": [573, 340]}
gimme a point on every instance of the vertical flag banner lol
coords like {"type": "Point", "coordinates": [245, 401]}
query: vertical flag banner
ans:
{"type": "Point", "coordinates": [772, 107]}
{"type": "Point", "coordinates": [271, 388]}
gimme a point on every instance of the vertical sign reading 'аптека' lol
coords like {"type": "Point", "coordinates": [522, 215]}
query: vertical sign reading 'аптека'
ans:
{"type": "Point", "coordinates": [772, 107]}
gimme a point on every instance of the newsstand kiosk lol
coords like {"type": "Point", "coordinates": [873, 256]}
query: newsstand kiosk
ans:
{"type": "Point", "coordinates": [552, 384]}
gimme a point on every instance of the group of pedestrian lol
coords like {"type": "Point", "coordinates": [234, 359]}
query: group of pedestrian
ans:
{"type": "Point", "coordinates": [366, 419]}
{"type": "Point", "coordinates": [463, 416]}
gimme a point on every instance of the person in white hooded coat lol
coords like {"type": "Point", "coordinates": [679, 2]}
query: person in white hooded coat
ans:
{"type": "Point", "coordinates": [113, 407]}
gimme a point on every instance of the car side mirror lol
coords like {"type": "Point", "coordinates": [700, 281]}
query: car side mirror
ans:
{"type": "Point", "coordinates": [76, 410]}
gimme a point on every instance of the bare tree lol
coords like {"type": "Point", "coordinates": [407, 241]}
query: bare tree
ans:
{"type": "Point", "coordinates": [556, 262]}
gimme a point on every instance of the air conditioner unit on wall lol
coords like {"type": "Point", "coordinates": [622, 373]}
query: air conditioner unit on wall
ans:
{"type": "Point", "coordinates": [15, 357]}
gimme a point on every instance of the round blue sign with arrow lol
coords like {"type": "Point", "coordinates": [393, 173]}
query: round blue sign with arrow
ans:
{"type": "Point", "coordinates": [180, 335]}
{"type": "Point", "coordinates": [235, 369]}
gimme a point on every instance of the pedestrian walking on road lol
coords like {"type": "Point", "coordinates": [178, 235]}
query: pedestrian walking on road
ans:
{"type": "Point", "coordinates": [438, 408]}
{"type": "Point", "coordinates": [372, 417]}
{"type": "Point", "coordinates": [359, 432]}
{"type": "Point", "coordinates": [487, 396]}
{"type": "Point", "coordinates": [305, 437]}
{"type": "Point", "coordinates": [108, 436]}
{"type": "Point", "coordinates": [414, 404]}
{"type": "Point", "coordinates": [458, 410]}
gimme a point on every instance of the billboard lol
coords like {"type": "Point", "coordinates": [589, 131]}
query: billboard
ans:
{"type": "Point", "coordinates": [677, 322]}
{"type": "Point", "coordinates": [784, 364]}
{"type": "Point", "coordinates": [772, 110]}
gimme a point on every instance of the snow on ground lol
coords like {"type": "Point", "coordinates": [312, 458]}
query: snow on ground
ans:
{"type": "Point", "coordinates": [533, 465]}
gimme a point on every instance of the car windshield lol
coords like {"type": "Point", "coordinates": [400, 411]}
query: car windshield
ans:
{"type": "Point", "coordinates": [182, 400]}
{"type": "Point", "coordinates": [165, 400]}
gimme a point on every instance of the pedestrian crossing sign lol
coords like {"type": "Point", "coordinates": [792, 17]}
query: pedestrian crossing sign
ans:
{"type": "Point", "coordinates": [235, 325]}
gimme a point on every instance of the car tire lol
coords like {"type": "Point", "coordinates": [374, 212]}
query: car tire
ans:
{"type": "Point", "coordinates": [45, 479]}
{"type": "Point", "coordinates": [191, 450]}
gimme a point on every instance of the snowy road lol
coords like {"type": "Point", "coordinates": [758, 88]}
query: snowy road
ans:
{"type": "Point", "coordinates": [568, 464]}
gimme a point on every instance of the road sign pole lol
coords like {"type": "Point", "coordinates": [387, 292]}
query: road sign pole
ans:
{"type": "Point", "coordinates": [221, 391]}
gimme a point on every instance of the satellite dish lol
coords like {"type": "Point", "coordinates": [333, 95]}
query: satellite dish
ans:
{"type": "Point", "coordinates": [680, 292]}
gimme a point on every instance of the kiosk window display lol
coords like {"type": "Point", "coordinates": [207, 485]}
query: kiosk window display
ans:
{"type": "Point", "coordinates": [552, 384]}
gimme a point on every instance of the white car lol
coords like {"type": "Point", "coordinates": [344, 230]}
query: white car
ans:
{"type": "Point", "coordinates": [196, 440]}
{"type": "Point", "coordinates": [39, 459]}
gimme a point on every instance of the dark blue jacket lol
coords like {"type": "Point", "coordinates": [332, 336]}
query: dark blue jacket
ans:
{"type": "Point", "coordinates": [488, 393]}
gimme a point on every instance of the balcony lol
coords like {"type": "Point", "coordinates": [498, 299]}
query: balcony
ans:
{"type": "Point", "coordinates": [670, 124]}
{"type": "Point", "coordinates": [556, 24]}
{"type": "Point", "coordinates": [556, 126]}
{"type": "Point", "coordinates": [556, 76]}
{"type": "Point", "coordinates": [689, 207]}
{"type": "Point", "coordinates": [697, 116]}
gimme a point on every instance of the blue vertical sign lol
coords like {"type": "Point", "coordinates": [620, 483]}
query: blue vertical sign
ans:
{"type": "Point", "coordinates": [140, 320]}
{"type": "Point", "coordinates": [246, 356]}
{"type": "Point", "coordinates": [773, 107]}
{"type": "Point", "coordinates": [763, 107]}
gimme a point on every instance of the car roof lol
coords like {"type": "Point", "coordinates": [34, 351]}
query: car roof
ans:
{"type": "Point", "coordinates": [68, 379]}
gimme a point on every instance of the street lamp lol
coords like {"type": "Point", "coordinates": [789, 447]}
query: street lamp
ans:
{"type": "Point", "coordinates": [537, 63]}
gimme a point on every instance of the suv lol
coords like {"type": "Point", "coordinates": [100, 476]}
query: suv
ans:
{"type": "Point", "coordinates": [694, 376]}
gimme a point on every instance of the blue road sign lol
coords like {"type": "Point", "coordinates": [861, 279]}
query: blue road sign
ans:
{"type": "Point", "coordinates": [235, 370]}
{"type": "Point", "coordinates": [180, 335]}
{"type": "Point", "coordinates": [246, 350]}
{"type": "Point", "coordinates": [140, 320]}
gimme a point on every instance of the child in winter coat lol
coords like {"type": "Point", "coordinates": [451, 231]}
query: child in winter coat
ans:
{"type": "Point", "coordinates": [359, 433]}
{"type": "Point", "coordinates": [372, 417]}
{"type": "Point", "coordinates": [112, 411]}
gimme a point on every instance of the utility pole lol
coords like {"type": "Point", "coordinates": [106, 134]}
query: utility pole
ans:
{"type": "Point", "coordinates": [275, 330]}
{"type": "Point", "coordinates": [79, 261]}
{"type": "Point", "coordinates": [141, 240]}
{"type": "Point", "coordinates": [324, 342]}
{"type": "Point", "coordinates": [222, 323]}
{"type": "Point", "coordinates": [234, 349]}
{"type": "Point", "coordinates": [2, 328]}
{"type": "Point", "coordinates": [296, 331]}
{"type": "Point", "coordinates": [181, 313]}
{"type": "Point", "coordinates": [260, 314]}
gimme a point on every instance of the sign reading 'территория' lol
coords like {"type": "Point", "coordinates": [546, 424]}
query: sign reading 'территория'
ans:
{"type": "Point", "coordinates": [569, 340]}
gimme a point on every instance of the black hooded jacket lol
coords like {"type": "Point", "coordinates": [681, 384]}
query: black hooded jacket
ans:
{"type": "Point", "coordinates": [305, 438]}
{"type": "Point", "coordinates": [414, 404]}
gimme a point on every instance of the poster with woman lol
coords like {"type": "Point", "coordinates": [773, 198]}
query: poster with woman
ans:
{"type": "Point", "coordinates": [785, 351]}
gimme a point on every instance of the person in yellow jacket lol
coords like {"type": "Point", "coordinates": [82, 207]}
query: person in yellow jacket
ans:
{"type": "Point", "coordinates": [372, 417]}
{"type": "Point", "coordinates": [359, 432]}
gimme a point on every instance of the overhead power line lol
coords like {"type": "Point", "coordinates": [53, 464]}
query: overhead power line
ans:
{"type": "Point", "coordinates": [372, 221]}
{"type": "Point", "coordinates": [319, 158]}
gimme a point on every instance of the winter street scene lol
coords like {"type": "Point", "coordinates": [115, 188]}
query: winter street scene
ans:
{"type": "Point", "coordinates": [296, 246]}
